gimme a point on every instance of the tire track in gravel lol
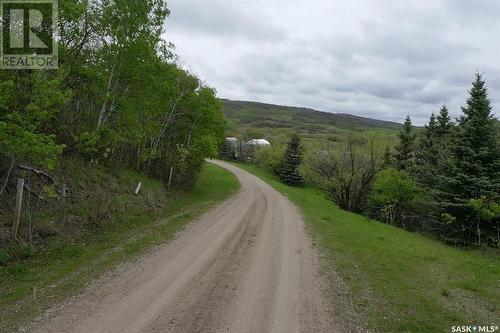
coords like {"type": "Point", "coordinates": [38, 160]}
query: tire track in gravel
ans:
{"type": "Point", "coordinates": [246, 266]}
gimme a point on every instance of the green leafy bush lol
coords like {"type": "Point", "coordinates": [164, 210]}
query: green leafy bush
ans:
{"type": "Point", "coordinates": [394, 193]}
{"type": "Point", "coordinates": [271, 158]}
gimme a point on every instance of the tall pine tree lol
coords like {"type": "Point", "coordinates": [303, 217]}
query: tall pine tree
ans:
{"type": "Point", "coordinates": [404, 155]}
{"type": "Point", "coordinates": [474, 169]}
{"type": "Point", "coordinates": [444, 124]}
{"type": "Point", "coordinates": [428, 141]}
{"type": "Point", "coordinates": [427, 152]}
{"type": "Point", "coordinates": [293, 158]}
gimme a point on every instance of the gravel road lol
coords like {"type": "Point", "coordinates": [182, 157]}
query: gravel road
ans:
{"type": "Point", "coordinates": [248, 265]}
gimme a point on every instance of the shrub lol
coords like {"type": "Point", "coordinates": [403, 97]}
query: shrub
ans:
{"type": "Point", "coordinates": [394, 193]}
{"type": "Point", "coordinates": [271, 158]}
{"type": "Point", "coordinates": [345, 174]}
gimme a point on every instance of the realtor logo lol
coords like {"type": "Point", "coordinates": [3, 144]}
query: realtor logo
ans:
{"type": "Point", "coordinates": [28, 34]}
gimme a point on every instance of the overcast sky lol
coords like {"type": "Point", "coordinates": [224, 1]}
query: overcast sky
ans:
{"type": "Point", "coordinates": [380, 59]}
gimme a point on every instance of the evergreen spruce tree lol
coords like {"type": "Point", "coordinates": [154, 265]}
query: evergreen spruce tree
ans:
{"type": "Point", "coordinates": [404, 155]}
{"type": "Point", "coordinates": [427, 153]}
{"type": "Point", "coordinates": [474, 169]}
{"type": "Point", "coordinates": [388, 161]}
{"type": "Point", "coordinates": [428, 141]}
{"type": "Point", "coordinates": [443, 141]}
{"type": "Point", "coordinates": [293, 158]}
{"type": "Point", "coordinates": [438, 154]}
{"type": "Point", "coordinates": [444, 124]}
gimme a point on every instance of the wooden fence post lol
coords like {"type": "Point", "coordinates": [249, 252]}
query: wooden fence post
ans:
{"type": "Point", "coordinates": [170, 177]}
{"type": "Point", "coordinates": [63, 204]}
{"type": "Point", "coordinates": [138, 188]}
{"type": "Point", "coordinates": [18, 208]}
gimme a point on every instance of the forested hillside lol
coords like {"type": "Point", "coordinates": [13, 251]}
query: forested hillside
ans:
{"type": "Point", "coordinates": [251, 119]}
{"type": "Point", "coordinates": [118, 99]}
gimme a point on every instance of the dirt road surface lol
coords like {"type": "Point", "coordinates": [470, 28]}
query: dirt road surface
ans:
{"type": "Point", "coordinates": [246, 266]}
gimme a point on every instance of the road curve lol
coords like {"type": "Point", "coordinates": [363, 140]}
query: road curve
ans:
{"type": "Point", "coordinates": [246, 266]}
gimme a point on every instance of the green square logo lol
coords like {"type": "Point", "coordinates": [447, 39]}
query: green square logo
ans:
{"type": "Point", "coordinates": [28, 34]}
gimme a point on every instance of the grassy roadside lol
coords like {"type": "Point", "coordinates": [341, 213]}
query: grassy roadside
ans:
{"type": "Point", "coordinates": [32, 285]}
{"type": "Point", "coordinates": [400, 281]}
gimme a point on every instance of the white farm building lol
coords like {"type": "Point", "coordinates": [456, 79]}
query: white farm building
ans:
{"type": "Point", "coordinates": [234, 149]}
{"type": "Point", "coordinates": [259, 142]}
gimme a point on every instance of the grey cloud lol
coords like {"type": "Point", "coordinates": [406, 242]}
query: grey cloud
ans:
{"type": "Point", "coordinates": [477, 12]}
{"type": "Point", "coordinates": [381, 59]}
{"type": "Point", "coordinates": [222, 18]}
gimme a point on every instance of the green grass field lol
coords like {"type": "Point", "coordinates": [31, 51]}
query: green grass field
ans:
{"type": "Point", "coordinates": [49, 275]}
{"type": "Point", "coordinates": [399, 281]}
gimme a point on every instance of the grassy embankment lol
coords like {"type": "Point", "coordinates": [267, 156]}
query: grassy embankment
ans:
{"type": "Point", "coordinates": [51, 273]}
{"type": "Point", "coordinates": [400, 281]}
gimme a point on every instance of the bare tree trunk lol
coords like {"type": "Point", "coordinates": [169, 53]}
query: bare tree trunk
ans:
{"type": "Point", "coordinates": [8, 174]}
{"type": "Point", "coordinates": [62, 204]}
{"type": "Point", "coordinates": [498, 234]}
{"type": "Point", "coordinates": [191, 133]}
{"type": "Point", "coordinates": [165, 122]}
{"type": "Point", "coordinates": [478, 231]}
{"type": "Point", "coordinates": [102, 113]}
{"type": "Point", "coordinates": [167, 118]}
{"type": "Point", "coordinates": [18, 208]}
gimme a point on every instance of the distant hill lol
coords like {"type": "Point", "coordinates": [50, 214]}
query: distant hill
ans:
{"type": "Point", "coordinates": [266, 117]}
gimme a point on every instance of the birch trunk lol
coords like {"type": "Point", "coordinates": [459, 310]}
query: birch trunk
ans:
{"type": "Point", "coordinates": [102, 114]}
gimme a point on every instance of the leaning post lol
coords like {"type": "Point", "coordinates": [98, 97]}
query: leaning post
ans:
{"type": "Point", "coordinates": [18, 208]}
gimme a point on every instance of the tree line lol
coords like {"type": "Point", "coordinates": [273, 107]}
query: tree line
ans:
{"type": "Point", "coordinates": [118, 98]}
{"type": "Point", "coordinates": [442, 180]}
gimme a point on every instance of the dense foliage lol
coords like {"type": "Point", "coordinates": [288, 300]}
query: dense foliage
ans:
{"type": "Point", "coordinates": [394, 194]}
{"type": "Point", "coordinates": [271, 158]}
{"type": "Point", "coordinates": [458, 166]}
{"type": "Point", "coordinates": [443, 179]}
{"type": "Point", "coordinates": [117, 98]}
{"type": "Point", "coordinates": [469, 179]}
